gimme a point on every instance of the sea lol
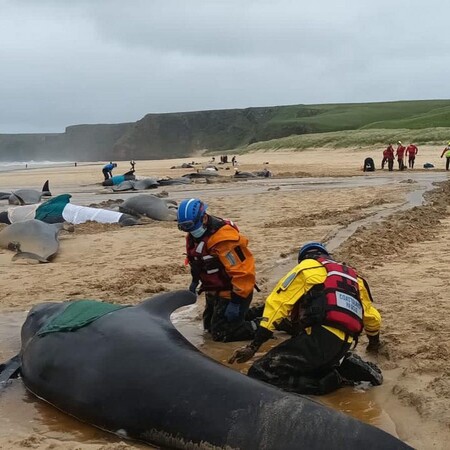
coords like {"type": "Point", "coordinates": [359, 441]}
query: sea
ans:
{"type": "Point", "coordinates": [8, 166]}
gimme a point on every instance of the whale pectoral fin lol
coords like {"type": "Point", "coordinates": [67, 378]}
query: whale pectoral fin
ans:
{"type": "Point", "coordinates": [28, 255]}
{"type": "Point", "coordinates": [164, 305]}
{"type": "Point", "coordinates": [20, 199]}
{"type": "Point", "coordinates": [9, 369]}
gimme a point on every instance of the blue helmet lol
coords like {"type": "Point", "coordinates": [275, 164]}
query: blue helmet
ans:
{"type": "Point", "coordinates": [309, 247]}
{"type": "Point", "coordinates": [190, 214]}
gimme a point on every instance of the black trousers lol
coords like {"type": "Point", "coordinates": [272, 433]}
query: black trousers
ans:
{"type": "Point", "coordinates": [390, 165]}
{"type": "Point", "coordinates": [447, 162]}
{"type": "Point", "coordinates": [106, 174]}
{"type": "Point", "coordinates": [216, 323]}
{"type": "Point", "coordinates": [304, 364]}
{"type": "Point", "coordinates": [411, 162]}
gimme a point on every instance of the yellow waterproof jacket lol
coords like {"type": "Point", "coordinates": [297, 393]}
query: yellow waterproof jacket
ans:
{"type": "Point", "coordinates": [299, 281]}
{"type": "Point", "coordinates": [231, 248]}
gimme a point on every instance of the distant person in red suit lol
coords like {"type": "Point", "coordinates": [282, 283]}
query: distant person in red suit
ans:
{"type": "Point", "coordinates": [411, 152]}
{"type": "Point", "coordinates": [386, 154]}
{"type": "Point", "coordinates": [400, 154]}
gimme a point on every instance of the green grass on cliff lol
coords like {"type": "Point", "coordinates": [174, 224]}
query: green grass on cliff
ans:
{"type": "Point", "coordinates": [171, 135]}
{"type": "Point", "coordinates": [351, 116]}
{"type": "Point", "coordinates": [354, 138]}
{"type": "Point", "coordinates": [337, 125]}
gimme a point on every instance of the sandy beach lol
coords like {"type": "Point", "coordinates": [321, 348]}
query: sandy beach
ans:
{"type": "Point", "coordinates": [400, 246]}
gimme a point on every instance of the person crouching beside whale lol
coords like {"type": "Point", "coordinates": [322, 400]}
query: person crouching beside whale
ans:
{"type": "Point", "coordinates": [107, 170]}
{"type": "Point", "coordinates": [220, 260]}
{"type": "Point", "coordinates": [328, 305]}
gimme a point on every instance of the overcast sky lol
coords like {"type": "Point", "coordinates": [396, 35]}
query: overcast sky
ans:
{"type": "Point", "coordinates": [65, 62]}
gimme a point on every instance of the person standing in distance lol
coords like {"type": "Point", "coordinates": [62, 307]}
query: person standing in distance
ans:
{"type": "Point", "coordinates": [411, 152]}
{"type": "Point", "coordinates": [400, 154]}
{"type": "Point", "coordinates": [220, 260]}
{"type": "Point", "coordinates": [446, 152]}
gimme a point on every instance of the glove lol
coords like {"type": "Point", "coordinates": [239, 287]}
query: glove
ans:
{"type": "Point", "coordinates": [241, 355]}
{"type": "Point", "coordinates": [232, 311]}
{"type": "Point", "coordinates": [374, 344]}
{"type": "Point", "coordinates": [193, 287]}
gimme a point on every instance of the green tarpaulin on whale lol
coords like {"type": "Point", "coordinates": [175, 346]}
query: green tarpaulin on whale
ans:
{"type": "Point", "coordinates": [77, 315]}
{"type": "Point", "coordinates": [51, 211]}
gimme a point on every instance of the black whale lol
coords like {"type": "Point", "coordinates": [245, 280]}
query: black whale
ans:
{"type": "Point", "coordinates": [132, 373]}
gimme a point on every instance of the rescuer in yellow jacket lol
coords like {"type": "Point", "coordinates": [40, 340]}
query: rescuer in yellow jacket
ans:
{"type": "Point", "coordinates": [223, 266]}
{"type": "Point", "coordinates": [327, 306]}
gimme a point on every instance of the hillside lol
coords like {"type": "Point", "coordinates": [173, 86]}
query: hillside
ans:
{"type": "Point", "coordinates": [158, 136]}
{"type": "Point", "coordinates": [354, 138]}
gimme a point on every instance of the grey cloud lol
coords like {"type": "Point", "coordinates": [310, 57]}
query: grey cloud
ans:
{"type": "Point", "coordinates": [114, 61]}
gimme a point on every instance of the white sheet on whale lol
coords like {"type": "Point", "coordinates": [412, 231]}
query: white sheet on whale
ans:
{"type": "Point", "coordinates": [79, 214]}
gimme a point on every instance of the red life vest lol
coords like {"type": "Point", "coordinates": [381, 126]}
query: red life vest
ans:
{"type": "Point", "coordinates": [208, 268]}
{"type": "Point", "coordinates": [336, 302]}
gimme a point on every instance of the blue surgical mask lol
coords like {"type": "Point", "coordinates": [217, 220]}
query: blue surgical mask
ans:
{"type": "Point", "coordinates": [199, 232]}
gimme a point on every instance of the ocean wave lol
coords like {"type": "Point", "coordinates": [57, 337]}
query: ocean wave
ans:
{"type": "Point", "coordinates": [6, 166]}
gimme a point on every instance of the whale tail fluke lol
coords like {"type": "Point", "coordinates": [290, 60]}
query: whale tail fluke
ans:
{"type": "Point", "coordinates": [163, 305]}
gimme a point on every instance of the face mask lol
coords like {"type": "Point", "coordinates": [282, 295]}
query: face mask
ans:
{"type": "Point", "coordinates": [199, 232]}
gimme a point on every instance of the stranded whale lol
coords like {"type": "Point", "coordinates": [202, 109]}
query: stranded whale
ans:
{"type": "Point", "coordinates": [132, 373]}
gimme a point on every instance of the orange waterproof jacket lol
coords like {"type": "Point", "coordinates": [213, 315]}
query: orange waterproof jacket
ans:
{"type": "Point", "coordinates": [222, 260]}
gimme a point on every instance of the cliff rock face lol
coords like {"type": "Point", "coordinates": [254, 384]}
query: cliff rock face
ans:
{"type": "Point", "coordinates": [93, 142]}
{"type": "Point", "coordinates": [158, 136]}
{"type": "Point", "coordinates": [155, 136]}
{"type": "Point", "coordinates": [26, 147]}
{"type": "Point", "coordinates": [77, 143]}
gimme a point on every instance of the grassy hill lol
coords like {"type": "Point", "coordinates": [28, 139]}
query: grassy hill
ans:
{"type": "Point", "coordinates": [354, 138]}
{"type": "Point", "coordinates": [178, 134]}
{"type": "Point", "coordinates": [158, 136]}
{"type": "Point", "coordinates": [351, 116]}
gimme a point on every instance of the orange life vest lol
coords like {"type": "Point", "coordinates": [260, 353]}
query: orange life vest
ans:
{"type": "Point", "coordinates": [204, 266]}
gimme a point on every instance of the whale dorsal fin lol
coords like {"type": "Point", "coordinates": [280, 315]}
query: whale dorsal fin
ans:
{"type": "Point", "coordinates": [163, 305]}
{"type": "Point", "coordinates": [46, 190]}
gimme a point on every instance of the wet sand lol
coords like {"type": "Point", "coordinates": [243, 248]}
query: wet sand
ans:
{"type": "Point", "coordinates": [404, 257]}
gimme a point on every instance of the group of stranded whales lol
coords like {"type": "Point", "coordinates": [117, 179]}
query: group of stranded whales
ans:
{"type": "Point", "coordinates": [148, 183]}
{"type": "Point", "coordinates": [32, 230]}
{"type": "Point", "coordinates": [26, 196]}
{"type": "Point", "coordinates": [130, 372]}
{"type": "Point", "coordinates": [129, 182]}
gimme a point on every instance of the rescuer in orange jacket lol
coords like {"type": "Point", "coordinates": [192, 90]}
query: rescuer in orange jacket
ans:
{"type": "Point", "coordinates": [223, 266]}
{"type": "Point", "coordinates": [329, 306]}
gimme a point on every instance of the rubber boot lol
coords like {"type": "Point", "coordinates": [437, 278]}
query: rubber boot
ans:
{"type": "Point", "coordinates": [353, 368]}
